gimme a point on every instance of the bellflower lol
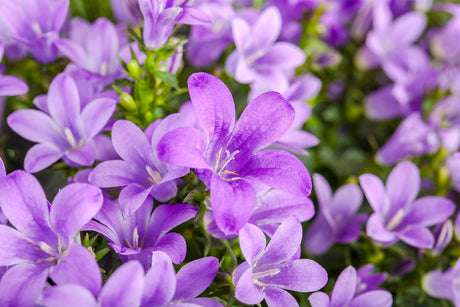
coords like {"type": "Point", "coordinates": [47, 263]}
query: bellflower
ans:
{"type": "Point", "coordinates": [444, 285]}
{"type": "Point", "coordinates": [42, 243]}
{"type": "Point", "coordinates": [269, 270]}
{"type": "Point", "coordinates": [258, 58]}
{"type": "Point", "coordinates": [35, 24]}
{"type": "Point", "coordinates": [228, 156]}
{"type": "Point", "coordinates": [397, 214]}
{"type": "Point", "coordinates": [134, 236]}
{"type": "Point", "coordinates": [67, 131]}
{"type": "Point", "coordinates": [348, 292]}
{"type": "Point", "coordinates": [140, 172]}
{"type": "Point", "coordinates": [94, 48]}
{"type": "Point", "coordinates": [337, 220]}
{"type": "Point", "coordinates": [161, 16]}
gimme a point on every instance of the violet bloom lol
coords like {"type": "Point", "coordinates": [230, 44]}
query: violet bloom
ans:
{"type": "Point", "coordinates": [135, 236]}
{"type": "Point", "coordinates": [397, 214]}
{"type": "Point", "coordinates": [140, 172]}
{"type": "Point", "coordinates": [94, 48]}
{"type": "Point", "coordinates": [348, 292]}
{"type": "Point", "coordinates": [164, 288]}
{"type": "Point", "coordinates": [126, 11]}
{"type": "Point", "coordinates": [42, 243]}
{"type": "Point", "coordinates": [206, 42]}
{"type": "Point", "coordinates": [337, 220]}
{"type": "Point", "coordinates": [160, 17]}
{"type": "Point", "coordinates": [444, 285]}
{"type": "Point", "coordinates": [269, 270]}
{"type": "Point", "coordinates": [413, 138]}
{"type": "Point", "coordinates": [67, 131]}
{"type": "Point", "coordinates": [9, 85]}
{"type": "Point", "coordinates": [35, 24]}
{"type": "Point", "coordinates": [258, 58]}
{"type": "Point", "coordinates": [228, 156]}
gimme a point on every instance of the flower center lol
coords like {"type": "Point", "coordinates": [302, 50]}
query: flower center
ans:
{"type": "Point", "coordinates": [154, 176]}
{"type": "Point", "coordinates": [222, 163]}
{"type": "Point", "coordinates": [72, 141]}
{"type": "Point", "coordinates": [56, 256]}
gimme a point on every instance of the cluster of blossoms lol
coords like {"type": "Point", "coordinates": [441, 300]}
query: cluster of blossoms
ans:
{"type": "Point", "coordinates": [199, 195]}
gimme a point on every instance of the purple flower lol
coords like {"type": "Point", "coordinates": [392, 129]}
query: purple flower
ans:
{"type": "Point", "coordinates": [443, 285]}
{"type": "Point", "coordinates": [258, 59]}
{"type": "Point", "coordinates": [413, 137]}
{"type": "Point", "coordinates": [94, 48]}
{"type": "Point", "coordinates": [228, 156]}
{"type": "Point", "coordinates": [9, 85]}
{"type": "Point", "coordinates": [453, 167]}
{"type": "Point", "coordinates": [269, 270]}
{"type": "Point", "coordinates": [161, 16]}
{"type": "Point", "coordinates": [347, 291]}
{"type": "Point", "coordinates": [136, 235]}
{"type": "Point", "coordinates": [336, 221]}
{"type": "Point", "coordinates": [445, 118]}
{"type": "Point", "coordinates": [42, 243]}
{"type": "Point", "coordinates": [397, 214]}
{"type": "Point", "coordinates": [35, 24]}
{"type": "Point", "coordinates": [140, 172]}
{"type": "Point", "coordinates": [67, 131]}
{"type": "Point", "coordinates": [126, 11]}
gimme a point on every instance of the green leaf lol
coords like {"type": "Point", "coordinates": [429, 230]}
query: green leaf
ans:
{"type": "Point", "coordinates": [102, 253]}
{"type": "Point", "coordinates": [167, 78]}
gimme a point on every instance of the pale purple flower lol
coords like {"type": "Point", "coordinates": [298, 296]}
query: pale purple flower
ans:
{"type": "Point", "coordinates": [348, 291]}
{"type": "Point", "coordinates": [258, 58]}
{"type": "Point", "coordinates": [135, 236]}
{"type": "Point", "coordinates": [337, 220]}
{"type": "Point", "coordinates": [453, 167]}
{"type": "Point", "coordinates": [413, 138]}
{"type": "Point", "coordinates": [35, 24]}
{"type": "Point", "coordinates": [94, 48]}
{"type": "Point", "coordinates": [126, 11]}
{"type": "Point", "coordinates": [206, 42]}
{"type": "Point", "coordinates": [397, 214]}
{"type": "Point", "coordinates": [9, 85]}
{"type": "Point", "coordinates": [42, 243]}
{"type": "Point", "coordinates": [160, 16]}
{"type": "Point", "coordinates": [67, 131]}
{"type": "Point", "coordinates": [444, 285]}
{"type": "Point", "coordinates": [269, 270]}
{"type": "Point", "coordinates": [140, 172]}
{"type": "Point", "coordinates": [228, 156]}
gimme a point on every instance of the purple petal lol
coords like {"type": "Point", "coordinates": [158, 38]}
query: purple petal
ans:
{"type": "Point", "coordinates": [285, 242]}
{"type": "Point", "coordinates": [252, 241]}
{"type": "Point", "coordinates": [183, 147]}
{"type": "Point", "coordinates": [138, 150]}
{"type": "Point", "coordinates": [278, 169]}
{"type": "Point", "coordinates": [12, 86]}
{"type": "Point", "coordinates": [174, 245]}
{"type": "Point", "coordinates": [429, 211]}
{"type": "Point", "coordinates": [374, 190]}
{"type": "Point", "coordinates": [417, 236]}
{"type": "Point", "coordinates": [204, 301]}
{"type": "Point", "coordinates": [74, 206]}
{"type": "Point", "coordinates": [24, 203]}
{"type": "Point", "coordinates": [34, 125]}
{"type": "Point", "coordinates": [21, 285]}
{"type": "Point", "coordinates": [72, 50]}
{"type": "Point", "coordinates": [213, 104]}
{"type": "Point", "coordinates": [345, 288]}
{"type": "Point", "coordinates": [382, 105]}
{"type": "Point", "coordinates": [283, 55]}
{"type": "Point", "coordinates": [279, 298]}
{"type": "Point", "coordinates": [96, 114]}
{"type": "Point", "coordinates": [322, 189]}
{"type": "Point", "coordinates": [409, 27]}
{"type": "Point", "coordinates": [16, 249]}
{"type": "Point", "coordinates": [379, 298]}
{"type": "Point", "coordinates": [193, 16]}
{"type": "Point", "coordinates": [302, 275]}
{"type": "Point", "coordinates": [69, 296]}
{"type": "Point", "coordinates": [377, 231]}
{"type": "Point", "coordinates": [160, 281]}
{"type": "Point", "coordinates": [84, 156]}
{"type": "Point", "coordinates": [132, 197]}
{"type": "Point", "coordinates": [124, 287]}
{"type": "Point", "coordinates": [166, 217]}
{"type": "Point", "coordinates": [403, 184]}
{"type": "Point", "coordinates": [105, 45]}
{"type": "Point", "coordinates": [319, 299]}
{"type": "Point", "coordinates": [64, 101]}
{"type": "Point", "coordinates": [267, 28]}
{"type": "Point", "coordinates": [246, 291]}
{"type": "Point", "coordinates": [41, 156]}
{"type": "Point", "coordinates": [438, 284]}
{"type": "Point", "coordinates": [263, 122]}
{"type": "Point", "coordinates": [232, 203]}
{"type": "Point", "coordinates": [241, 32]}
{"type": "Point", "coordinates": [194, 277]}
{"type": "Point", "coordinates": [113, 173]}
{"type": "Point", "coordinates": [320, 236]}
{"type": "Point", "coordinates": [347, 200]}
{"type": "Point", "coordinates": [79, 267]}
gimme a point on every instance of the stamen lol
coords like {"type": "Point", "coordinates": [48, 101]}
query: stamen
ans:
{"type": "Point", "coordinates": [155, 176]}
{"type": "Point", "coordinates": [104, 68]}
{"type": "Point", "coordinates": [395, 220]}
{"type": "Point", "coordinates": [70, 138]}
{"type": "Point", "coordinates": [266, 273]}
{"type": "Point", "coordinates": [135, 238]}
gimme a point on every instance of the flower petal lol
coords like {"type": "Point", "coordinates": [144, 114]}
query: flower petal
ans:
{"type": "Point", "coordinates": [429, 211]}
{"type": "Point", "coordinates": [64, 101]}
{"type": "Point", "coordinates": [69, 296]}
{"type": "Point", "coordinates": [114, 173]}
{"type": "Point", "coordinates": [41, 156]}
{"type": "Point", "coordinates": [160, 281]}
{"type": "Point", "coordinates": [418, 236]}
{"type": "Point", "coordinates": [246, 291]}
{"type": "Point", "coordinates": [374, 190]}
{"type": "Point", "coordinates": [174, 245]}
{"type": "Point", "coordinates": [279, 298]}
{"type": "Point", "coordinates": [379, 298]}
{"type": "Point", "coordinates": [12, 86]}
{"type": "Point", "coordinates": [15, 248]}
{"type": "Point", "coordinates": [35, 126]}
{"type": "Point", "coordinates": [403, 184]}
{"type": "Point", "coordinates": [96, 114]}
{"type": "Point", "coordinates": [194, 277]}
{"type": "Point", "coordinates": [377, 231]}
{"type": "Point", "coordinates": [267, 28]}
{"type": "Point", "coordinates": [345, 288]}
{"type": "Point", "coordinates": [138, 150]}
{"type": "Point", "coordinates": [252, 241]}
{"type": "Point", "coordinates": [132, 197]}
{"type": "Point", "coordinates": [319, 299]}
